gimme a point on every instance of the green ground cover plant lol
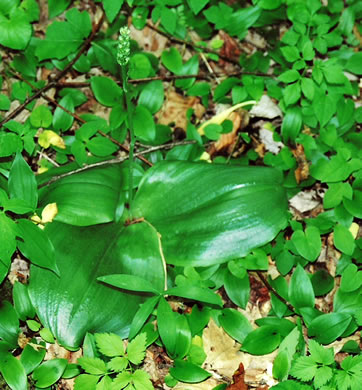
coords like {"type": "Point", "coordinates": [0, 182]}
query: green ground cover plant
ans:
{"type": "Point", "coordinates": [138, 233]}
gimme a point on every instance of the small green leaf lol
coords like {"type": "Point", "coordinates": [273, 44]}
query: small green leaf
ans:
{"type": "Point", "coordinates": [168, 19]}
{"type": "Point", "coordinates": [235, 324]}
{"type": "Point", "coordinates": [334, 74]}
{"type": "Point", "coordinates": [22, 182]}
{"type": "Point", "coordinates": [292, 93]}
{"type": "Point", "coordinates": [106, 91]}
{"type": "Point", "coordinates": [141, 380]}
{"type": "Point", "coordinates": [213, 131]}
{"type": "Point", "coordinates": [343, 240]}
{"type": "Point", "coordinates": [63, 38]}
{"type": "Point", "coordinates": [62, 120]}
{"type": "Point", "coordinates": [129, 282]}
{"type": "Point", "coordinates": [166, 323]}
{"type": "Point", "coordinates": [49, 372]}
{"type": "Point", "coordinates": [196, 293]}
{"type": "Point", "coordinates": [94, 366]}
{"type": "Point", "coordinates": [142, 314]}
{"type": "Point", "coordinates": [122, 379]}
{"type": "Point", "coordinates": [117, 364]}
{"type": "Point", "coordinates": [9, 144]}
{"type": "Point", "coordinates": [328, 327]}
{"type": "Point", "coordinates": [351, 279]}
{"type": "Point", "coordinates": [139, 66]}
{"type": "Point", "coordinates": [57, 7]}
{"type": "Point", "coordinates": [152, 96]}
{"type": "Point", "coordinates": [301, 292]}
{"type": "Point", "coordinates": [304, 368]}
{"type": "Point", "coordinates": [197, 5]}
{"type": "Point", "coordinates": [36, 245]}
{"type": "Point", "coordinates": [31, 357]}
{"type": "Point", "coordinates": [289, 76]}
{"type": "Point", "coordinates": [320, 354]}
{"type": "Point", "coordinates": [308, 244]}
{"type": "Point", "coordinates": [136, 349]}
{"type": "Point", "coordinates": [172, 60]}
{"type": "Point", "coordinates": [86, 382]}
{"type": "Point", "coordinates": [322, 282]}
{"type": "Point", "coordinates": [292, 123]}
{"type": "Point", "coordinates": [47, 335]}
{"type": "Point", "coordinates": [13, 372]}
{"type": "Point", "coordinates": [33, 325]}
{"type": "Point", "coordinates": [281, 365]}
{"type": "Point", "coordinates": [22, 303]}
{"type": "Point", "coordinates": [308, 88]}
{"type": "Point", "coordinates": [15, 31]}
{"type": "Point", "coordinates": [237, 289]}
{"type": "Point", "coordinates": [112, 8]}
{"type": "Point", "coordinates": [109, 344]}
{"type": "Point", "coordinates": [9, 324]}
{"type": "Point", "coordinates": [41, 116]}
{"type": "Point", "coordinates": [307, 52]}
{"type": "Point", "coordinates": [335, 194]}
{"type": "Point", "coordinates": [261, 341]}
{"type": "Point", "coordinates": [8, 233]}
{"type": "Point", "coordinates": [188, 372]}
{"type": "Point", "coordinates": [104, 384]}
{"type": "Point", "coordinates": [354, 63]}
{"type": "Point", "coordinates": [101, 146]}
{"type": "Point", "coordinates": [290, 53]}
{"type": "Point", "coordinates": [143, 124]}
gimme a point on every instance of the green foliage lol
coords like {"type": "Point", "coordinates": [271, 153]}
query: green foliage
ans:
{"type": "Point", "coordinates": [118, 372]}
{"type": "Point", "coordinates": [128, 239]}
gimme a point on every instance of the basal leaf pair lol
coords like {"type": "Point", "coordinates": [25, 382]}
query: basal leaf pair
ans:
{"type": "Point", "coordinates": [183, 213]}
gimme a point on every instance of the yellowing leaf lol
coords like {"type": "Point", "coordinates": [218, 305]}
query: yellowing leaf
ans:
{"type": "Point", "coordinates": [49, 137]}
{"type": "Point", "coordinates": [36, 219]}
{"type": "Point", "coordinates": [49, 212]}
{"type": "Point", "coordinates": [219, 118]}
{"type": "Point", "coordinates": [42, 170]}
{"type": "Point", "coordinates": [354, 229]}
{"type": "Point", "coordinates": [206, 157]}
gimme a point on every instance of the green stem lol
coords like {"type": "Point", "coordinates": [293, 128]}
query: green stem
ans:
{"type": "Point", "coordinates": [131, 135]}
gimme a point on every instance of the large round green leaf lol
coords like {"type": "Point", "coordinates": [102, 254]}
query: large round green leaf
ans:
{"type": "Point", "coordinates": [85, 198]}
{"type": "Point", "coordinates": [208, 213]}
{"type": "Point", "coordinates": [75, 302]}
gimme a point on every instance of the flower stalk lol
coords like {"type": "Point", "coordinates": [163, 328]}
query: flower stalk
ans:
{"type": "Point", "coordinates": [123, 57]}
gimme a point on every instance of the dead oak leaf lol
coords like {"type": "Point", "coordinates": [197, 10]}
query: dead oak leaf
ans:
{"type": "Point", "coordinates": [175, 108]}
{"type": "Point", "coordinates": [223, 353]}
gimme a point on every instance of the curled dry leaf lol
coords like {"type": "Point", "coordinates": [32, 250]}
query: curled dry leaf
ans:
{"type": "Point", "coordinates": [238, 379]}
{"type": "Point", "coordinates": [266, 137]}
{"type": "Point", "coordinates": [227, 141]}
{"type": "Point", "coordinates": [222, 116]}
{"type": "Point", "coordinates": [230, 48]}
{"type": "Point", "coordinates": [266, 108]}
{"type": "Point", "coordinates": [302, 172]}
{"type": "Point", "coordinates": [304, 201]}
{"type": "Point", "coordinates": [175, 108]}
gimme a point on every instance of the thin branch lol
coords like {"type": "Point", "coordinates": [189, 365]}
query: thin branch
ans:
{"type": "Point", "coordinates": [192, 45]}
{"type": "Point", "coordinates": [273, 291]}
{"type": "Point", "coordinates": [116, 160]}
{"type": "Point", "coordinates": [200, 76]}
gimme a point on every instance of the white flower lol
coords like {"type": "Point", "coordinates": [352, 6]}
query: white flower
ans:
{"type": "Point", "coordinates": [124, 51]}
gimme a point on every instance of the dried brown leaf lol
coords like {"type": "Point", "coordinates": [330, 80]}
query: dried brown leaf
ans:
{"type": "Point", "coordinates": [175, 108]}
